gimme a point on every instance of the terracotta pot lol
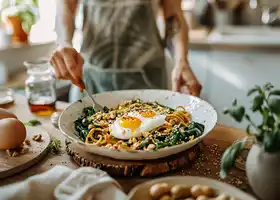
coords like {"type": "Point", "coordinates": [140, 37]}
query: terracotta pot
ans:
{"type": "Point", "coordinates": [19, 35]}
{"type": "Point", "coordinates": [263, 173]}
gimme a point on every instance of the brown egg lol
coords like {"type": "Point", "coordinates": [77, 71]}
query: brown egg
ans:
{"type": "Point", "coordinates": [6, 114]}
{"type": "Point", "coordinates": [12, 133]}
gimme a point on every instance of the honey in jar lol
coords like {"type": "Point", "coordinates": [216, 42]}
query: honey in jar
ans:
{"type": "Point", "coordinates": [40, 88]}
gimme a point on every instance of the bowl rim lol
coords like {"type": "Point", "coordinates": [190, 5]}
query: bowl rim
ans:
{"type": "Point", "coordinates": [79, 142]}
{"type": "Point", "coordinates": [200, 178]}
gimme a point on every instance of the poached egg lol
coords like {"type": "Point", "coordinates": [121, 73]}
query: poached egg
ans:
{"type": "Point", "coordinates": [135, 123]}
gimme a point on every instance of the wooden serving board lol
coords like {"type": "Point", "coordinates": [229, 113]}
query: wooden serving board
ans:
{"type": "Point", "coordinates": [33, 153]}
{"type": "Point", "coordinates": [144, 168]}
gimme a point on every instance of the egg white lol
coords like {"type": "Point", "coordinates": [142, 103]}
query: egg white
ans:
{"type": "Point", "coordinates": [148, 124]}
{"type": "Point", "coordinates": [123, 133]}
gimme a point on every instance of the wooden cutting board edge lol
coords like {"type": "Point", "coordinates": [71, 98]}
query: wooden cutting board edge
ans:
{"type": "Point", "coordinates": [26, 165]}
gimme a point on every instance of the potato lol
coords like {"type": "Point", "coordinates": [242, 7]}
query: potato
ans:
{"type": "Point", "coordinates": [6, 114]}
{"type": "Point", "coordinates": [166, 197]}
{"type": "Point", "coordinates": [180, 191]}
{"type": "Point", "coordinates": [12, 133]}
{"type": "Point", "coordinates": [223, 197]}
{"type": "Point", "coordinates": [202, 197]}
{"type": "Point", "coordinates": [196, 191]}
{"type": "Point", "coordinates": [208, 191]}
{"type": "Point", "coordinates": [159, 189]}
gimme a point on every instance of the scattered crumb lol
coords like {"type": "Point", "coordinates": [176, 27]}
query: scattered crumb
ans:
{"type": "Point", "coordinates": [27, 142]}
{"type": "Point", "coordinates": [208, 165]}
{"type": "Point", "coordinates": [37, 138]}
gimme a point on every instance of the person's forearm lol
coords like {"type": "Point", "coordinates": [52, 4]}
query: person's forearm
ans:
{"type": "Point", "coordinates": [180, 40]}
{"type": "Point", "coordinates": [65, 21]}
{"type": "Point", "coordinates": [176, 29]}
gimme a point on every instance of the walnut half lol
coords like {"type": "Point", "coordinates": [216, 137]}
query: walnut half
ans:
{"type": "Point", "coordinates": [37, 138]}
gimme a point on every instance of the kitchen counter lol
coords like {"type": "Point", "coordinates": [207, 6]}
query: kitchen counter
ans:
{"type": "Point", "coordinates": [236, 39]}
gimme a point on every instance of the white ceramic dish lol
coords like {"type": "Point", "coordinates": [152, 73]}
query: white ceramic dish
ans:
{"type": "Point", "coordinates": [141, 191]}
{"type": "Point", "coordinates": [200, 110]}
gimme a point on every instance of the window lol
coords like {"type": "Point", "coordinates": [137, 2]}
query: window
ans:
{"type": "Point", "coordinates": [47, 10]}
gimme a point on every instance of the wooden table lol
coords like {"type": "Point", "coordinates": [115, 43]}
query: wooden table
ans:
{"type": "Point", "coordinates": [221, 134]}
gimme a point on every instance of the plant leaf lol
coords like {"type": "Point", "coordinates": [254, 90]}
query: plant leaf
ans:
{"type": "Point", "coordinates": [252, 91]}
{"type": "Point", "coordinates": [270, 142]}
{"type": "Point", "coordinates": [274, 105]}
{"type": "Point", "coordinates": [237, 112]}
{"type": "Point", "coordinates": [275, 92]}
{"type": "Point", "coordinates": [226, 111]}
{"type": "Point", "coordinates": [268, 86]}
{"type": "Point", "coordinates": [248, 129]}
{"type": "Point", "coordinates": [270, 122]}
{"type": "Point", "coordinates": [35, 3]}
{"type": "Point", "coordinates": [257, 103]}
{"type": "Point", "coordinates": [33, 122]}
{"type": "Point", "coordinates": [229, 157]}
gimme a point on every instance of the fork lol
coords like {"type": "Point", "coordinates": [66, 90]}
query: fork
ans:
{"type": "Point", "coordinates": [96, 105]}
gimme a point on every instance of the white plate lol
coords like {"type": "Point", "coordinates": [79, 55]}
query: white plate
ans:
{"type": "Point", "coordinates": [141, 191]}
{"type": "Point", "coordinates": [200, 110]}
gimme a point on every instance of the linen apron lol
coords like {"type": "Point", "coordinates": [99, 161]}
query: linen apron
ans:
{"type": "Point", "coordinates": [121, 46]}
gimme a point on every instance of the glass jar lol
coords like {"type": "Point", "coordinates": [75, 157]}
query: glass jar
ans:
{"type": "Point", "coordinates": [40, 87]}
{"type": "Point", "coordinates": [6, 97]}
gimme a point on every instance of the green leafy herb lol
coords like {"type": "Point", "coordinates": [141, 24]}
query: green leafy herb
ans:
{"type": "Point", "coordinates": [257, 103]}
{"type": "Point", "coordinates": [237, 112]}
{"type": "Point", "coordinates": [252, 91]}
{"type": "Point", "coordinates": [275, 92]}
{"type": "Point", "coordinates": [165, 106]}
{"type": "Point", "coordinates": [229, 157]}
{"type": "Point", "coordinates": [33, 122]}
{"type": "Point", "coordinates": [274, 105]}
{"type": "Point", "coordinates": [266, 103]}
{"type": "Point", "coordinates": [55, 146]}
{"type": "Point", "coordinates": [89, 111]}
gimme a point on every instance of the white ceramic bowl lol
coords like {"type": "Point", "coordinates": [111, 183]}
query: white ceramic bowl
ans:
{"type": "Point", "coordinates": [200, 110]}
{"type": "Point", "coordinates": [141, 191]}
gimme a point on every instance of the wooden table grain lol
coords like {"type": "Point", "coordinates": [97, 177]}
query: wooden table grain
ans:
{"type": "Point", "coordinates": [221, 134]}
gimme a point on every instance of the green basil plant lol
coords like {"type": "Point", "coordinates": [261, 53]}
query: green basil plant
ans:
{"type": "Point", "coordinates": [27, 10]}
{"type": "Point", "coordinates": [266, 103]}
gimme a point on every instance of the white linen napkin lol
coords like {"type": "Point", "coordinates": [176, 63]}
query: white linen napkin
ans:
{"type": "Point", "coordinates": [63, 183]}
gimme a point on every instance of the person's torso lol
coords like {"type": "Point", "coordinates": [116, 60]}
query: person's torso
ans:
{"type": "Point", "coordinates": [121, 34]}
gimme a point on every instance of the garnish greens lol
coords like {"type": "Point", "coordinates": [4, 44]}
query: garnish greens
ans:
{"type": "Point", "coordinates": [55, 146]}
{"type": "Point", "coordinates": [33, 122]}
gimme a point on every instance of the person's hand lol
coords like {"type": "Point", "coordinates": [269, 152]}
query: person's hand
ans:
{"type": "Point", "coordinates": [182, 76]}
{"type": "Point", "coordinates": [68, 65]}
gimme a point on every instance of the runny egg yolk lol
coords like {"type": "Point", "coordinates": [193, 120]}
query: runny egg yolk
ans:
{"type": "Point", "coordinates": [130, 122]}
{"type": "Point", "coordinates": [147, 113]}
